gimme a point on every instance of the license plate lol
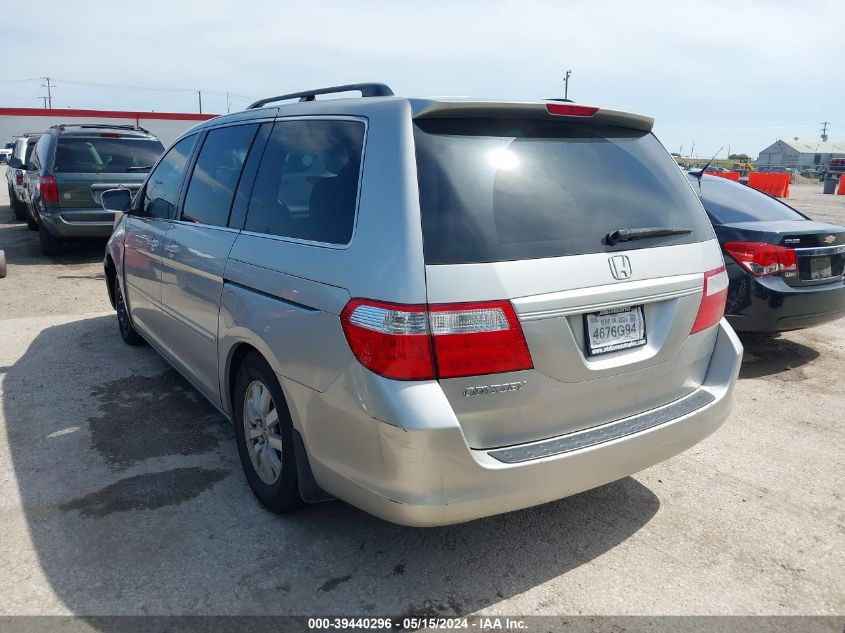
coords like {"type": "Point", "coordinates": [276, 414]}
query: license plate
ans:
{"type": "Point", "coordinates": [820, 268]}
{"type": "Point", "coordinates": [614, 330]}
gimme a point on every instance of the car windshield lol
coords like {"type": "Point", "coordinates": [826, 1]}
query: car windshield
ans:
{"type": "Point", "coordinates": [101, 154]}
{"type": "Point", "coordinates": [502, 189]}
{"type": "Point", "coordinates": [728, 202]}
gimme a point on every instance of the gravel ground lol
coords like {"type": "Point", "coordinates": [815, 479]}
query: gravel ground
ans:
{"type": "Point", "coordinates": [121, 492]}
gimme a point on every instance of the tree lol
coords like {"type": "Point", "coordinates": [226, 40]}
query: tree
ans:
{"type": "Point", "coordinates": [742, 157]}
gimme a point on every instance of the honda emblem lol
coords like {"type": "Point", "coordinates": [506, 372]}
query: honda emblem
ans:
{"type": "Point", "coordinates": [620, 266]}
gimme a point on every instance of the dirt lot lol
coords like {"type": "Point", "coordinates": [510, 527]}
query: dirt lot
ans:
{"type": "Point", "coordinates": [121, 492]}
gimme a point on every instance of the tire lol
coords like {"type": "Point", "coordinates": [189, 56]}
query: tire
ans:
{"type": "Point", "coordinates": [31, 223]}
{"type": "Point", "coordinates": [18, 208]}
{"type": "Point", "coordinates": [262, 419]}
{"type": "Point", "coordinates": [20, 212]}
{"type": "Point", "coordinates": [50, 244]}
{"type": "Point", "coordinates": [128, 332]}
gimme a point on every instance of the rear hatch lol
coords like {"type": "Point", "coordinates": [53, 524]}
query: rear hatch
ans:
{"type": "Point", "coordinates": [87, 164]}
{"type": "Point", "coordinates": [539, 210]}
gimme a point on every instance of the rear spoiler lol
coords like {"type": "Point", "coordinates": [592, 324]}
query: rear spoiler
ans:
{"type": "Point", "coordinates": [436, 109]}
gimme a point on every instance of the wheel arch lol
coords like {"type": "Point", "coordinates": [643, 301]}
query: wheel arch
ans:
{"type": "Point", "coordinates": [111, 274]}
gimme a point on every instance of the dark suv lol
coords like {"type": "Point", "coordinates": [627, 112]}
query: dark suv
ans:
{"type": "Point", "coordinates": [72, 166]}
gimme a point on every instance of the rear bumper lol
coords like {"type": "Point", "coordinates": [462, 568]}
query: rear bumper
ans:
{"type": "Point", "coordinates": [77, 223]}
{"type": "Point", "coordinates": [424, 473]}
{"type": "Point", "coordinates": [770, 305]}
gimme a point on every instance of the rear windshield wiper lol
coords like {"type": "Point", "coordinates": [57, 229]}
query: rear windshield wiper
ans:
{"type": "Point", "coordinates": [628, 235]}
{"type": "Point", "coordinates": [140, 168]}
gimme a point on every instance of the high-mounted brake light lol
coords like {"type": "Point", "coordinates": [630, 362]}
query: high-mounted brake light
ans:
{"type": "Point", "coordinates": [713, 298]}
{"type": "Point", "coordinates": [567, 109]}
{"type": "Point", "coordinates": [415, 342]}
{"type": "Point", "coordinates": [49, 189]}
{"type": "Point", "coordinates": [110, 135]}
{"type": "Point", "coordinates": [762, 259]}
{"type": "Point", "coordinates": [18, 177]}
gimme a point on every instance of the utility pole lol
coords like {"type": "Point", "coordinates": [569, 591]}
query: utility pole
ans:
{"type": "Point", "coordinates": [566, 85]}
{"type": "Point", "coordinates": [199, 96]}
{"type": "Point", "coordinates": [824, 125]}
{"type": "Point", "coordinates": [48, 85]}
{"type": "Point", "coordinates": [692, 151]}
{"type": "Point", "coordinates": [44, 99]}
{"type": "Point", "coordinates": [228, 103]}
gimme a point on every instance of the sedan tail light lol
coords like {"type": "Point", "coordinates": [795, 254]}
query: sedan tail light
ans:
{"type": "Point", "coordinates": [713, 298]}
{"type": "Point", "coordinates": [18, 177]}
{"type": "Point", "coordinates": [417, 342]}
{"type": "Point", "coordinates": [49, 189]}
{"type": "Point", "coordinates": [762, 259]}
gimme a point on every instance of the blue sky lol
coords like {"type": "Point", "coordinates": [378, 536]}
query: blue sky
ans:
{"type": "Point", "coordinates": [717, 73]}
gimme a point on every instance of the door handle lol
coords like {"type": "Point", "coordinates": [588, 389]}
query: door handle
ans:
{"type": "Point", "coordinates": [153, 244]}
{"type": "Point", "coordinates": [172, 248]}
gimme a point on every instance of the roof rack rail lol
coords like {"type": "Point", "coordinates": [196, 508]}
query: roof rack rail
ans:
{"type": "Point", "coordinates": [366, 90]}
{"type": "Point", "coordinates": [134, 128]}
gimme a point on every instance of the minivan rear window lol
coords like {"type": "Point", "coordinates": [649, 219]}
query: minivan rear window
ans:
{"type": "Point", "coordinates": [106, 155]}
{"type": "Point", "coordinates": [504, 189]}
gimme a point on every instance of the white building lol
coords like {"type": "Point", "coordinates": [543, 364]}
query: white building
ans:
{"type": "Point", "coordinates": [166, 125]}
{"type": "Point", "coordinates": [800, 154]}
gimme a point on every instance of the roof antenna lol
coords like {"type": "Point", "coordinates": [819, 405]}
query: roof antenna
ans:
{"type": "Point", "coordinates": [699, 174]}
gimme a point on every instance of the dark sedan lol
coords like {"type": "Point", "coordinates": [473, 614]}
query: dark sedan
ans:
{"type": "Point", "coordinates": [785, 270]}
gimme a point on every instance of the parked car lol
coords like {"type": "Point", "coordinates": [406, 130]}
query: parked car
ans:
{"type": "Point", "coordinates": [430, 308]}
{"type": "Point", "coordinates": [16, 173]}
{"type": "Point", "coordinates": [69, 170]}
{"type": "Point", "coordinates": [785, 270]}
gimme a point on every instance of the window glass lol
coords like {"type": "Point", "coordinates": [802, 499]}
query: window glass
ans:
{"type": "Point", "coordinates": [307, 184]}
{"type": "Point", "coordinates": [215, 176]}
{"type": "Point", "coordinates": [30, 146]}
{"type": "Point", "coordinates": [162, 191]}
{"type": "Point", "coordinates": [729, 202]}
{"type": "Point", "coordinates": [106, 155]}
{"type": "Point", "coordinates": [498, 189]}
{"type": "Point", "coordinates": [36, 150]}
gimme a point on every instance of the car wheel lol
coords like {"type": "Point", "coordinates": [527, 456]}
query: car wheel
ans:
{"type": "Point", "coordinates": [128, 332]}
{"type": "Point", "coordinates": [19, 207]}
{"type": "Point", "coordinates": [264, 434]}
{"type": "Point", "coordinates": [31, 223]}
{"type": "Point", "coordinates": [50, 244]}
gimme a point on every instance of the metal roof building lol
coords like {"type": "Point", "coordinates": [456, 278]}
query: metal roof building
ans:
{"type": "Point", "coordinates": [800, 154]}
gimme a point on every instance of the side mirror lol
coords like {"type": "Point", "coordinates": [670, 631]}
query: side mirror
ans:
{"type": "Point", "coordinates": [15, 163]}
{"type": "Point", "coordinates": [118, 200]}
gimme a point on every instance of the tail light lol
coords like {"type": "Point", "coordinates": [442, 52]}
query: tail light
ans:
{"type": "Point", "coordinates": [49, 189]}
{"type": "Point", "coordinates": [713, 299]}
{"type": "Point", "coordinates": [762, 259]}
{"type": "Point", "coordinates": [417, 342]}
{"type": "Point", "coordinates": [18, 177]}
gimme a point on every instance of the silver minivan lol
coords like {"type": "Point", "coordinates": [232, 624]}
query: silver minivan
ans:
{"type": "Point", "coordinates": [433, 309]}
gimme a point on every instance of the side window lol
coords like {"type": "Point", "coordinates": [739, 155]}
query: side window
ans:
{"type": "Point", "coordinates": [162, 191]}
{"type": "Point", "coordinates": [216, 174]}
{"type": "Point", "coordinates": [35, 151]}
{"type": "Point", "coordinates": [307, 185]}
